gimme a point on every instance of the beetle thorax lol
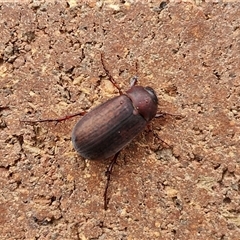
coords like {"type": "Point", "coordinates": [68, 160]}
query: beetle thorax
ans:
{"type": "Point", "coordinates": [144, 101]}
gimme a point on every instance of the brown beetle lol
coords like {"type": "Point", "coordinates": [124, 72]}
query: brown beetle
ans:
{"type": "Point", "coordinates": [109, 127]}
{"type": "Point", "coordinates": [106, 129]}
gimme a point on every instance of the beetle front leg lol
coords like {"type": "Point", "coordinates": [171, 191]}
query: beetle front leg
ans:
{"type": "Point", "coordinates": [164, 114]}
{"type": "Point", "coordinates": [111, 79]}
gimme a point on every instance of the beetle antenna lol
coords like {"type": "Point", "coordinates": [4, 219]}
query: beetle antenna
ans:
{"type": "Point", "coordinates": [111, 79]}
{"type": "Point", "coordinates": [133, 81]}
{"type": "Point", "coordinates": [136, 66]}
{"type": "Point", "coordinates": [108, 174]}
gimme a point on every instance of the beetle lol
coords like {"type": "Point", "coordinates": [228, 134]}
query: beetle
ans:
{"type": "Point", "coordinates": [109, 127]}
{"type": "Point", "coordinates": [105, 130]}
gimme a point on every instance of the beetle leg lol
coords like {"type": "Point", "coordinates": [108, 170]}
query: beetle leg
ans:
{"type": "Point", "coordinates": [57, 120]}
{"type": "Point", "coordinates": [164, 114]}
{"type": "Point", "coordinates": [111, 79]}
{"type": "Point", "coordinates": [108, 174]}
{"type": "Point", "coordinates": [163, 142]}
{"type": "Point", "coordinates": [4, 108]}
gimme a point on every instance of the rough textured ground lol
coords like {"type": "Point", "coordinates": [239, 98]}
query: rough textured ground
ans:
{"type": "Point", "coordinates": [50, 66]}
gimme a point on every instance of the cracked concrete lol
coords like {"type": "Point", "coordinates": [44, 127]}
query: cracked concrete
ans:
{"type": "Point", "coordinates": [50, 66]}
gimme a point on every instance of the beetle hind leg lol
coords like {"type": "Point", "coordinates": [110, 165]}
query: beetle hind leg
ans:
{"type": "Point", "coordinates": [108, 174]}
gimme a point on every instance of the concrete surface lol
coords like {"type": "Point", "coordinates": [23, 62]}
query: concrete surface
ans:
{"type": "Point", "coordinates": [50, 66]}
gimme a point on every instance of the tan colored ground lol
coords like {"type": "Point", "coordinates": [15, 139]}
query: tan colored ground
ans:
{"type": "Point", "coordinates": [50, 66]}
